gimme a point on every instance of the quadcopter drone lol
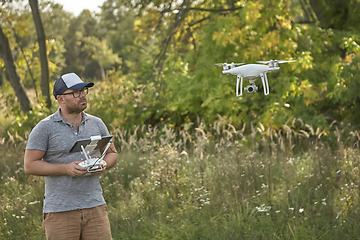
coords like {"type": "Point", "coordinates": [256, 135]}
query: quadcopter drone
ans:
{"type": "Point", "coordinates": [251, 72]}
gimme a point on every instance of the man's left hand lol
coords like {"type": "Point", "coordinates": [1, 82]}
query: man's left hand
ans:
{"type": "Point", "coordinates": [102, 171]}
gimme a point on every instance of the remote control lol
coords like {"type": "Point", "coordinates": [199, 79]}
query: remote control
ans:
{"type": "Point", "coordinates": [92, 164]}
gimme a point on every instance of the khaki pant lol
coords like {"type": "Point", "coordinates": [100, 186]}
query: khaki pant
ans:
{"type": "Point", "coordinates": [86, 224]}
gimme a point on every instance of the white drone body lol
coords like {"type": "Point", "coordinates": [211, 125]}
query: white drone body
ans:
{"type": "Point", "coordinates": [251, 72]}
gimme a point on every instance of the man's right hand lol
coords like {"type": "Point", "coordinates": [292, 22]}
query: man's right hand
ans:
{"type": "Point", "coordinates": [74, 170]}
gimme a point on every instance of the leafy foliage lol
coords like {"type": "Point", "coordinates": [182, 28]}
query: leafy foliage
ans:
{"type": "Point", "coordinates": [158, 59]}
{"type": "Point", "coordinates": [191, 86]}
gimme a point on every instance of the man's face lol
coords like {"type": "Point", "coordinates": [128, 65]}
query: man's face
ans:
{"type": "Point", "coordinates": [74, 103]}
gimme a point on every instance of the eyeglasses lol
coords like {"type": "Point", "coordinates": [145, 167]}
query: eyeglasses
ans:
{"type": "Point", "coordinates": [77, 93]}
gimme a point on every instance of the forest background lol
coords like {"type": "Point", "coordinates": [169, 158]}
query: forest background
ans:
{"type": "Point", "coordinates": [160, 94]}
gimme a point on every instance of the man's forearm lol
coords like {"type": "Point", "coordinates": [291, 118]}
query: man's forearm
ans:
{"type": "Point", "coordinates": [42, 168]}
{"type": "Point", "coordinates": [110, 159]}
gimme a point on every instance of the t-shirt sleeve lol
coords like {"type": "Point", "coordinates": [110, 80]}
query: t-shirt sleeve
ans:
{"type": "Point", "coordinates": [38, 138]}
{"type": "Point", "coordinates": [103, 129]}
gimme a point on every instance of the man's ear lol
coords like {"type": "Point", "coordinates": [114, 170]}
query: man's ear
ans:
{"type": "Point", "coordinates": [60, 99]}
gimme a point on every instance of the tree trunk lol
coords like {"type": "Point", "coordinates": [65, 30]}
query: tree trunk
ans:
{"type": "Point", "coordinates": [13, 76]}
{"type": "Point", "coordinates": [42, 50]}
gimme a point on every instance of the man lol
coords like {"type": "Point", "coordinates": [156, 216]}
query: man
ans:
{"type": "Point", "coordinates": [74, 207]}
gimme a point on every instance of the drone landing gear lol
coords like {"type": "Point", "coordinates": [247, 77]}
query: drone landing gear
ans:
{"type": "Point", "coordinates": [239, 79]}
{"type": "Point", "coordinates": [265, 83]}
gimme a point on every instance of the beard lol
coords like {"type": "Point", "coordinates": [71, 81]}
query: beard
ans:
{"type": "Point", "coordinates": [79, 107]}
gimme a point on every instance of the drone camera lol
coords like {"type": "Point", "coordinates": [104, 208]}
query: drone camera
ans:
{"type": "Point", "coordinates": [251, 88]}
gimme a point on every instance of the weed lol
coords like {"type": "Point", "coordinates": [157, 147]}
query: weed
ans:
{"type": "Point", "coordinates": [214, 182]}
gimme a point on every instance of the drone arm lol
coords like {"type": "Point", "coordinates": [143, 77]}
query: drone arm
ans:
{"type": "Point", "coordinates": [239, 79]}
{"type": "Point", "coordinates": [265, 83]}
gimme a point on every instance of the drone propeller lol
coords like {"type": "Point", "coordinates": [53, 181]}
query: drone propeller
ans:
{"type": "Point", "coordinates": [275, 61]}
{"type": "Point", "coordinates": [228, 64]}
{"type": "Point", "coordinates": [284, 61]}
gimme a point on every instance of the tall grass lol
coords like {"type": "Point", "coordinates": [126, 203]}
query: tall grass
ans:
{"type": "Point", "coordinates": [214, 182]}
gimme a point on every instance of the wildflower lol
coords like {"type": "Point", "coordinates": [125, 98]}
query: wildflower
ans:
{"type": "Point", "coordinates": [337, 216]}
{"type": "Point", "coordinates": [301, 210]}
{"type": "Point", "coordinates": [263, 208]}
{"type": "Point", "coordinates": [35, 202]}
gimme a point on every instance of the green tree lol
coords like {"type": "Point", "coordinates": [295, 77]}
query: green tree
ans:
{"type": "Point", "coordinates": [119, 22]}
{"type": "Point", "coordinates": [165, 53]}
{"type": "Point", "coordinates": [87, 51]}
{"type": "Point", "coordinates": [22, 37]}
{"type": "Point", "coordinates": [42, 52]}
{"type": "Point", "coordinates": [194, 35]}
{"type": "Point", "coordinates": [12, 72]}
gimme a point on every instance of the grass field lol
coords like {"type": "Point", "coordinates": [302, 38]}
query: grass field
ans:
{"type": "Point", "coordinates": [216, 183]}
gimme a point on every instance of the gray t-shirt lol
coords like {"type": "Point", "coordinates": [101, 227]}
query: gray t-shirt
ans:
{"type": "Point", "coordinates": [56, 136]}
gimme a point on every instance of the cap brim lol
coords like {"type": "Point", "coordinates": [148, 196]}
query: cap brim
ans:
{"type": "Point", "coordinates": [82, 85]}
